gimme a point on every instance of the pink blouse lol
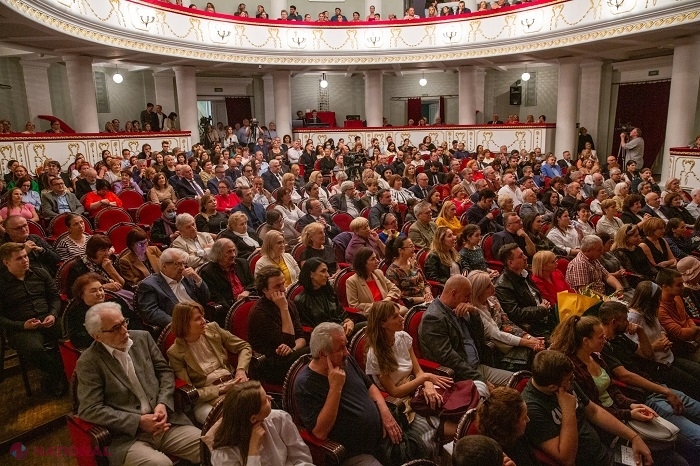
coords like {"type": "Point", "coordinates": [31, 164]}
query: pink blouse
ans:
{"type": "Point", "coordinates": [26, 211]}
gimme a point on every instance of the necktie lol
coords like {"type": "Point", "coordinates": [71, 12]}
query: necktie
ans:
{"type": "Point", "coordinates": [425, 193]}
{"type": "Point", "coordinates": [196, 188]}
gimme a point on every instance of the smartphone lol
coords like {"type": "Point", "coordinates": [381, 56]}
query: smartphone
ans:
{"type": "Point", "coordinates": [624, 456]}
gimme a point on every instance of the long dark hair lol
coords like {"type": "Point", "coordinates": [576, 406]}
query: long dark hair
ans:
{"type": "Point", "coordinates": [241, 403]}
{"type": "Point", "coordinates": [393, 247]}
{"type": "Point", "coordinates": [379, 313]}
{"type": "Point", "coordinates": [311, 265]}
{"type": "Point", "coordinates": [646, 301]}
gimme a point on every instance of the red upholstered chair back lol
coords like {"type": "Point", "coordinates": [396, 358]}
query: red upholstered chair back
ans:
{"type": "Point", "coordinates": [237, 318]}
{"type": "Point", "coordinates": [357, 347]}
{"type": "Point", "coordinates": [341, 285]}
{"type": "Point", "coordinates": [252, 260]}
{"type": "Point", "coordinates": [117, 235]}
{"type": "Point", "coordinates": [466, 425]}
{"type": "Point", "coordinates": [365, 213]}
{"type": "Point", "coordinates": [110, 216]}
{"type": "Point", "coordinates": [411, 324]}
{"type": "Point", "coordinates": [188, 205]}
{"type": "Point", "coordinates": [486, 243]}
{"type": "Point", "coordinates": [36, 229]}
{"type": "Point", "coordinates": [165, 340]}
{"type": "Point", "coordinates": [297, 251]}
{"type": "Point", "coordinates": [407, 226]}
{"type": "Point", "coordinates": [147, 214]}
{"type": "Point", "coordinates": [294, 290]}
{"type": "Point", "coordinates": [595, 218]}
{"type": "Point", "coordinates": [130, 199]}
{"type": "Point", "coordinates": [342, 220]}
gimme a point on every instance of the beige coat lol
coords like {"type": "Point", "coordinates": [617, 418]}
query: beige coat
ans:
{"type": "Point", "coordinates": [222, 342]}
{"type": "Point", "coordinates": [360, 296]}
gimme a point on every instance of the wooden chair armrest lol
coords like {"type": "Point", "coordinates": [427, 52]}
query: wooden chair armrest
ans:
{"type": "Point", "coordinates": [435, 368]}
{"type": "Point", "coordinates": [333, 452]}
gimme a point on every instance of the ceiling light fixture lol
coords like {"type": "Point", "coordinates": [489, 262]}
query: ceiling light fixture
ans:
{"type": "Point", "coordinates": [525, 76]}
{"type": "Point", "coordinates": [117, 77]}
{"type": "Point", "coordinates": [323, 83]}
{"type": "Point", "coordinates": [422, 81]}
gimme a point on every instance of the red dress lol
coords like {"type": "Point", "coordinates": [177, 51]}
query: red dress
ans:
{"type": "Point", "coordinates": [549, 290]}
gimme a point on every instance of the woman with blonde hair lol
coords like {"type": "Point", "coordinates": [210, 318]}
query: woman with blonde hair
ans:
{"type": "Point", "coordinates": [251, 432]}
{"type": "Point", "coordinates": [409, 175]}
{"type": "Point", "coordinates": [460, 199]}
{"type": "Point", "coordinates": [313, 236]}
{"type": "Point", "coordinates": [443, 261]}
{"type": "Point", "coordinates": [393, 366]}
{"type": "Point", "coordinates": [673, 185]}
{"type": "Point", "coordinates": [290, 212]}
{"type": "Point", "coordinates": [631, 256]}
{"type": "Point", "coordinates": [448, 218]}
{"type": "Point", "coordinates": [289, 183]}
{"type": "Point", "coordinates": [548, 278]}
{"type": "Point", "coordinates": [515, 345]}
{"type": "Point", "coordinates": [273, 253]}
{"type": "Point", "coordinates": [200, 356]}
{"type": "Point", "coordinates": [621, 190]}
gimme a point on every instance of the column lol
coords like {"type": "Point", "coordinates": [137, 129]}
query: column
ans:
{"type": "Point", "coordinates": [81, 87]}
{"type": "Point", "coordinates": [268, 99]}
{"type": "Point", "coordinates": [276, 7]}
{"type": "Point", "coordinates": [165, 91]}
{"type": "Point", "coordinates": [683, 99]}
{"type": "Point", "coordinates": [567, 98]}
{"type": "Point", "coordinates": [36, 85]}
{"type": "Point", "coordinates": [589, 99]}
{"type": "Point", "coordinates": [374, 98]}
{"type": "Point", "coordinates": [282, 101]}
{"type": "Point", "coordinates": [187, 100]}
{"type": "Point", "coordinates": [467, 95]}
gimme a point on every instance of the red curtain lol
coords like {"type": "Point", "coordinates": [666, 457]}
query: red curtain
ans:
{"type": "Point", "coordinates": [442, 109]}
{"type": "Point", "coordinates": [643, 105]}
{"type": "Point", "coordinates": [414, 109]}
{"type": "Point", "coordinates": [238, 108]}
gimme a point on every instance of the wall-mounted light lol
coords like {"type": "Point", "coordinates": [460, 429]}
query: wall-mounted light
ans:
{"type": "Point", "coordinates": [117, 77]}
{"type": "Point", "coordinates": [323, 82]}
{"type": "Point", "coordinates": [422, 81]}
{"type": "Point", "coordinates": [525, 76]}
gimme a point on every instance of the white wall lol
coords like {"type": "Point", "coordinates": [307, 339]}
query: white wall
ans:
{"type": "Point", "coordinates": [128, 99]}
{"type": "Point", "coordinates": [60, 97]}
{"type": "Point", "coordinates": [442, 83]}
{"type": "Point", "coordinates": [497, 90]}
{"type": "Point", "coordinates": [14, 102]}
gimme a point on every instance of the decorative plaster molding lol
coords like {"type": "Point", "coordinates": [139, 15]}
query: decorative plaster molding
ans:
{"type": "Point", "coordinates": [157, 28]}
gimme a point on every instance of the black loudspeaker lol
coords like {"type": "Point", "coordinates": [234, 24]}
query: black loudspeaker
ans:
{"type": "Point", "coordinates": [516, 95]}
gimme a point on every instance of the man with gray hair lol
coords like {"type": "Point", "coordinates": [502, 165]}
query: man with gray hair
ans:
{"type": "Point", "coordinates": [585, 270]}
{"type": "Point", "coordinates": [423, 229]}
{"type": "Point", "coordinates": [125, 385]}
{"type": "Point", "coordinates": [347, 200]}
{"type": "Point", "coordinates": [228, 277]}
{"type": "Point", "coordinates": [159, 293]}
{"type": "Point", "coordinates": [334, 397]}
{"type": "Point", "coordinates": [615, 177]}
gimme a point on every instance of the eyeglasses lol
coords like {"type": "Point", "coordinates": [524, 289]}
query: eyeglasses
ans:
{"type": "Point", "coordinates": [177, 264]}
{"type": "Point", "coordinates": [124, 323]}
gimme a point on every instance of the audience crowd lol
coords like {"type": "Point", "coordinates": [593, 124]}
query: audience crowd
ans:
{"type": "Point", "coordinates": [482, 242]}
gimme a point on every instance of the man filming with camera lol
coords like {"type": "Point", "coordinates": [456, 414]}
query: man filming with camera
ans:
{"type": "Point", "coordinates": [634, 146]}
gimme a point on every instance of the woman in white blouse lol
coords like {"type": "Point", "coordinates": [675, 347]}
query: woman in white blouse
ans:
{"type": "Point", "coordinates": [563, 234]}
{"type": "Point", "coordinates": [609, 222]}
{"type": "Point", "coordinates": [251, 433]}
{"type": "Point", "coordinates": [290, 212]}
{"type": "Point", "coordinates": [399, 194]}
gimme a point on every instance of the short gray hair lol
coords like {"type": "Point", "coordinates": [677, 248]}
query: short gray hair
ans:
{"type": "Point", "coordinates": [170, 255]}
{"type": "Point", "coordinates": [695, 191]}
{"type": "Point", "coordinates": [589, 242]}
{"type": "Point", "coordinates": [341, 176]}
{"type": "Point", "coordinates": [420, 208]}
{"type": "Point", "coordinates": [217, 249]}
{"type": "Point", "coordinates": [93, 317]}
{"type": "Point", "coordinates": [182, 219]}
{"type": "Point", "coordinates": [322, 338]}
{"type": "Point", "coordinates": [615, 171]}
{"type": "Point", "coordinates": [345, 185]}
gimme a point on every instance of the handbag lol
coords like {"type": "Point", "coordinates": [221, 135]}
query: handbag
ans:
{"type": "Point", "coordinates": [658, 434]}
{"type": "Point", "coordinates": [574, 304]}
{"type": "Point", "coordinates": [409, 448]}
{"type": "Point", "coordinates": [456, 400]}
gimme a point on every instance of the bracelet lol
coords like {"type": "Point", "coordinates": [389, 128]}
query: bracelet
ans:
{"type": "Point", "coordinates": [635, 436]}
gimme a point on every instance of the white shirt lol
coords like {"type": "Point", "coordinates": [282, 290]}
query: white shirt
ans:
{"type": "Point", "coordinates": [515, 194]}
{"type": "Point", "coordinates": [124, 360]}
{"type": "Point", "coordinates": [402, 344]}
{"type": "Point", "coordinates": [178, 288]}
{"type": "Point", "coordinates": [567, 240]}
{"type": "Point", "coordinates": [294, 154]}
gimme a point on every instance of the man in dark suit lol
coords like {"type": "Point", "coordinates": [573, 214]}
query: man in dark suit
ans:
{"type": "Point", "coordinates": [272, 178]}
{"type": "Point", "coordinates": [159, 293]}
{"type": "Point", "coordinates": [59, 200]}
{"type": "Point", "coordinates": [347, 199]}
{"type": "Point", "coordinates": [253, 210]}
{"type": "Point", "coordinates": [125, 385]}
{"type": "Point", "coordinates": [435, 174]}
{"type": "Point", "coordinates": [421, 188]}
{"type": "Point", "coordinates": [315, 214]}
{"type": "Point", "coordinates": [219, 175]}
{"type": "Point", "coordinates": [87, 184]}
{"type": "Point", "coordinates": [40, 253]}
{"type": "Point", "coordinates": [314, 118]}
{"type": "Point", "coordinates": [158, 119]}
{"type": "Point", "coordinates": [494, 120]}
{"type": "Point", "coordinates": [653, 202]}
{"type": "Point", "coordinates": [383, 206]}
{"type": "Point", "coordinates": [566, 162]}
{"type": "Point", "coordinates": [191, 184]}
{"type": "Point", "coordinates": [227, 276]}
